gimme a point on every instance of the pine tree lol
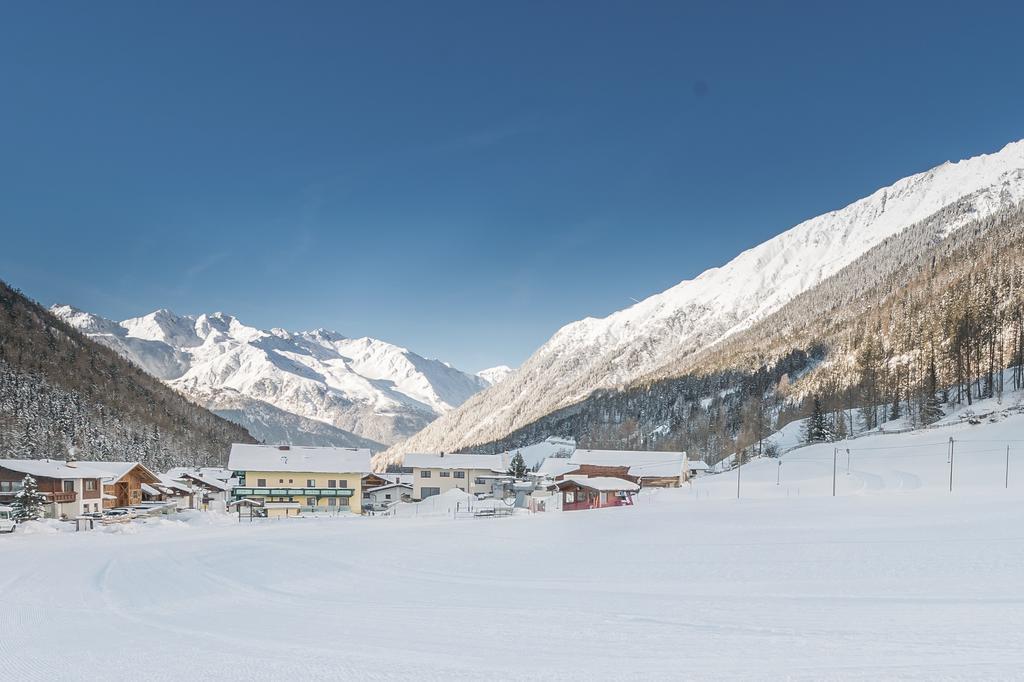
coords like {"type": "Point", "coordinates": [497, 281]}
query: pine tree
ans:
{"type": "Point", "coordinates": [817, 429]}
{"type": "Point", "coordinates": [28, 502]}
{"type": "Point", "coordinates": [517, 467]}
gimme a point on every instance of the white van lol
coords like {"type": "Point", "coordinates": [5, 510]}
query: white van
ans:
{"type": "Point", "coordinates": [6, 522]}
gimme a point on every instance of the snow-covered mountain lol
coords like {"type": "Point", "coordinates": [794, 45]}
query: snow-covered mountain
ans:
{"type": "Point", "coordinates": [316, 387]}
{"type": "Point", "coordinates": [609, 352]}
{"type": "Point", "coordinates": [495, 375]}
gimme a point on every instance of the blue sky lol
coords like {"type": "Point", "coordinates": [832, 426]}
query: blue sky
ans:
{"type": "Point", "coordinates": [460, 178]}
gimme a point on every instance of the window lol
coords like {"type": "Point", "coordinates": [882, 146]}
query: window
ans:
{"type": "Point", "coordinates": [90, 484]}
{"type": "Point", "coordinates": [343, 483]}
{"type": "Point", "coordinates": [479, 481]}
{"type": "Point", "coordinates": [460, 474]}
{"type": "Point", "coordinates": [332, 483]}
{"type": "Point", "coordinates": [429, 492]}
{"type": "Point", "coordinates": [332, 501]}
{"type": "Point", "coordinates": [310, 501]}
{"type": "Point", "coordinates": [310, 483]}
{"type": "Point", "coordinates": [343, 501]}
{"type": "Point", "coordinates": [570, 497]}
{"type": "Point", "coordinates": [445, 474]}
{"type": "Point", "coordinates": [291, 480]}
{"type": "Point", "coordinates": [69, 486]}
{"type": "Point", "coordinates": [6, 486]}
{"type": "Point", "coordinates": [280, 480]}
{"type": "Point", "coordinates": [387, 496]}
{"type": "Point", "coordinates": [425, 474]}
{"type": "Point", "coordinates": [261, 483]}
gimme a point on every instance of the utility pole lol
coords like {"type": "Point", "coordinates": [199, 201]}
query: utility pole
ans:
{"type": "Point", "coordinates": [835, 456]}
{"type": "Point", "coordinates": [739, 465]}
{"type": "Point", "coordinates": [847, 461]}
{"type": "Point", "coordinates": [778, 476]}
{"type": "Point", "coordinates": [951, 464]}
{"type": "Point", "coordinates": [1007, 467]}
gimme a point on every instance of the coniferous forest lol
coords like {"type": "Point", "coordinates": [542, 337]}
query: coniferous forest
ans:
{"type": "Point", "coordinates": [62, 393]}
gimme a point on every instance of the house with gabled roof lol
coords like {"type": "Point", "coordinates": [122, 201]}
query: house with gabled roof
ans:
{"type": "Point", "coordinates": [649, 468]}
{"type": "Point", "coordinates": [122, 486]}
{"type": "Point", "coordinates": [437, 474]}
{"type": "Point", "coordinates": [71, 489]}
{"type": "Point", "coordinates": [290, 480]}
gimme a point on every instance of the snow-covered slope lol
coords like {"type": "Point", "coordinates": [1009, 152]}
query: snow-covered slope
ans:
{"type": "Point", "coordinates": [611, 351]}
{"type": "Point", "coordinates": [495, 375]}
{"type": "Point", "coordinates": [315, 387]}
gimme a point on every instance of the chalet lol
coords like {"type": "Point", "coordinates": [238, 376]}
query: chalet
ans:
{"type": "Point", "coordinates": [595, 493]}
{"type": "Point", "coordinates": [169, 490]}
{"type": "Point", "coordinates": [70, 490]}
{"type": "Point", "coordinates": [651, 469]}
{"type": "Point", "coordinates": [122, 486]}
{"type": "Point", "coordinates": [383, 496]}
{"type": "Point", "coordinates": [437, 474]}
{"type": "Point", "coordinates": [289, 480]}
{"type": "Point", "coordinates": [211, 493]}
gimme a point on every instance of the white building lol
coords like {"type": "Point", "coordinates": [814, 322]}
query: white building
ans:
{"type": "Point", "coordinates": [437, 474]}
{"type": "Point", "coordinates": [380, 498]}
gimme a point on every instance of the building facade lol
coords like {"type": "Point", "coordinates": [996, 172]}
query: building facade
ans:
{"type": "Point", "coordinates": [70, 490]}
{"type": "Point", "coordinates": [437, 474]}
{"type": "Point", "coordinates": [292, 480]}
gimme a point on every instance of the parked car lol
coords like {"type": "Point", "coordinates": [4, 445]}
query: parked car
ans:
{"type": "Point", "coordinates": [7, 523]}
{"type": "Point", "coordinates": [119, 513]}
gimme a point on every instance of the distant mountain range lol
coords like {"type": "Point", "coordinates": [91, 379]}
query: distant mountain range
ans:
{"type": "Point", "coordinates": [640, 342]}
{"type": "Point", "coordinates": [313, 387]}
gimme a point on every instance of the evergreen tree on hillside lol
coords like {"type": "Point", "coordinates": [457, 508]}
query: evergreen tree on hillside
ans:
{"type": "Point", "coordinates": [817, 429]}
{"type": "Point", "coordinates": [517, 467]}
{"type": "Point", "coordinates": [28, 502]}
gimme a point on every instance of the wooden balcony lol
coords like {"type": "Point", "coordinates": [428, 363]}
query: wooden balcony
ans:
{"type": "Point", "coordinates": [63, 496]}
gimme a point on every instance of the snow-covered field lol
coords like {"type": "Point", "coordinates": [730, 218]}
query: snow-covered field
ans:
{"type": "Point", "coordinates": [895, 578]}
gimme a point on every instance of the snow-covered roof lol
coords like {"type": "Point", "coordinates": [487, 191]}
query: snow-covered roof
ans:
{"type": "Point", "coordinates": [604, 483]}
{"type": "Point", "coordinates": [640, 462]}
{"type": "Point", "coordinates": [557, 466]}
{"type": "Point", "coordinates": [168, 482]}
{"type": "Point", "coordinates": [206, 480]}
{"type": "Point", "coordinates": [298, 459]}
{"type": "Point", "coordinates": [149, 490]}
{"type": "Point", "coordinates": [697, 465]}
{"type": "Point", "coordinates": [456, 461]}
{"type": "Point", "coordinates": [52, 468]}
{"type": "Point", "coordinates": [218, 473]}
{"type": "Point", "coordinates": [115, 471]}
{"type": "Point", "coordinates": [389, 486]}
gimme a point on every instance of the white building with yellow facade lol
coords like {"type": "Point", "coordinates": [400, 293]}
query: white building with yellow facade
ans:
{"type": "Point", "coordinates": [289, 480]}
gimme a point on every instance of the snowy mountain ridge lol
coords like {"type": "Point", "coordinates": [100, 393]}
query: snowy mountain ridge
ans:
{"type": "Point", "coordinates": [495, 375]}
{"type": "Point", "coordinates": [608, 352]}
{"type": "Point", "coordinates": [274, 382]}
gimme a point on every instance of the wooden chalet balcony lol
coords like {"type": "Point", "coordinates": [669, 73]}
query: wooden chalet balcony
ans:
{"type": "Point", "coordinates": [62, 496]}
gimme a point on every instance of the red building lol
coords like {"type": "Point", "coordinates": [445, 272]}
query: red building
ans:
{"type": "Point", "coordinates": [595, 492]}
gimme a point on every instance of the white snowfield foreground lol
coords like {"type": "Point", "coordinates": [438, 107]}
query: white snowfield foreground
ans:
{"type": "Point", "coordinates": [895, 578]}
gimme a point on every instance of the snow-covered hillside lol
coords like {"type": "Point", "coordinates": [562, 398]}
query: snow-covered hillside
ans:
{"type": "Point", "coordinates": [608, 352]}
{"type": "Point", "coordinates": [316, 387]}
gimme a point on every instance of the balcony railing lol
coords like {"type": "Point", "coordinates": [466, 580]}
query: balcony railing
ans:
{"type": "Point", "coordinates": [294, 492]}
{"type": "Point", "coordinates": [63, 496]}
